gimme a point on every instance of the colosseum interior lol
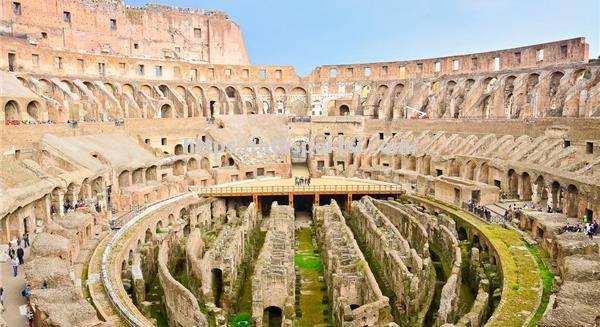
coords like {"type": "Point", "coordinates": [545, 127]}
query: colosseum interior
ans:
{"type": "Point", "coordinates": [154, 177]}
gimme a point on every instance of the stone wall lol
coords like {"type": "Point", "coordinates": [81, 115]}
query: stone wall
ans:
{"type": "Point", "coordinates": [182, 306]}
{"type": "Point", "coordinates": [110, 28]}
{"type": "Point", "coordinates": [357, 299]}
{"type": "Point", "coordinates": [273, 283]}
{"type": "Point", "coordinates": [441, 234]}
{"type": "Point", "coordinates": [226, 255]}
{"type": "Point", "coordinates": [410, 276]}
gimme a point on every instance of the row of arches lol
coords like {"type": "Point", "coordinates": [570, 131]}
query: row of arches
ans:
{"type": "Point", "coordinates": [33, 112]}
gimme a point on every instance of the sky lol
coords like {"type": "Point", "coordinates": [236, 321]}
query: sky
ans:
{"type": "Point", "coordinates": [310, 33]}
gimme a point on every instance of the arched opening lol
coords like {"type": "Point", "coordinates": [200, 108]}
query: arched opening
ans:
{"type": "Point", "coordinates": [204, 164]}
{"type": "Point", "coordinates": [11, 111]}
{"type": "Point", "coordinates": [462, 234]}
{"type": "Point", "coordinates": [151, 173]}
{"type": "Point", "coordinates": [166, 111]}
{"type": "Point", "coordinates": [217, 285]}
{"type": "Point", "coordinates": [124, 178]}
{"type": "Point", "coordinates": [571, 201]}
{"type": "Point", "coordinates": [555, 190]}
{"type": "Point", "coordinates": [178, 168]}
{"type": "Point", "coordinates": [33, 110]}
{"type": "Point", "coordinates": [193, 164]}
{"type": "Point", "coordinates": [484, 171]}
{"type": "Point", "coordinates": [148, 236]}
{"type": "Point", "coordinates": [231, 162]}
{"type": "Point", "coordinates": [159, 226]}
{"type": "Point", "coordinates": [412, 163]}
{"type": "Point", "coordinates": [178, 149]}
{"type": "Point", "coordinates": [272, 317]}
{"type": "Point", "coordinates": [541, 192]}
{"type": "Point", "coordinates": [230, 91]}
{"type": "Point", "coordinates": [344, 110]}
{"type": "Point", "coordinates": [190, 148]}
{"type": "Point", "coordinates": [137, 176]}
{"type": "Point", "coordinates": [470, 170]}
{"type": "Point", "coordinates": [455, 168]}
{"type": "Point", "coordinates": [526, 190]}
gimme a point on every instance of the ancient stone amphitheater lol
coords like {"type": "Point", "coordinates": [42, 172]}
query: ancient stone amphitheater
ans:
{"type": "Point", "coordinates": [439, 189]}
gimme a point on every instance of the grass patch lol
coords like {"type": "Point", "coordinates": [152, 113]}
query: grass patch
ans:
{"type": "Point", "coordinates": [517, 264]}
{"type": "Point", "coordinates": [240, 320]}
{"type": "Point", "coordinates": [548, 281]}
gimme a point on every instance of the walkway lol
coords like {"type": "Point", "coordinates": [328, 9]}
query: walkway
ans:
{"type": "Point", "coordinates": [522, 283]}
{"type": "Point", "coordinates": [13, 300]}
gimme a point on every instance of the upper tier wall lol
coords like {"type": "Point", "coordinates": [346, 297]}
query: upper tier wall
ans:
{"type": "Point", "coordinates": [532, 56]}
{"type": "Point", "coordinates": [110, 27]}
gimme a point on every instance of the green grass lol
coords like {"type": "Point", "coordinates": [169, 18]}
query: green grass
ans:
{"type": "Point", "coordinates": [240, 320]}
{"type": "Point", "coordinates": [313, 300]}
{"type": "Point", "coordinates": [548, 281]}
{"type": "Point", "coordinates": [517, 264]}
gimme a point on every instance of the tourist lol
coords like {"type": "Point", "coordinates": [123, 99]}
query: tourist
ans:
{"type": "Point", "coordinates": [98, 209]}
{"type": "Point", "coordinates": [2, 296]}
{"type": "Point", "coordinates": [45, 286]}
{"type": "Point", "coordinates": [549, 209]}
{"type": "Point", "coordinates": [11, 252]}
{"type": "Point", "coordinates": [589, 229]}
{"type": "Point", "coordinates": [26, 291]}
{"type": "Point", "coordinates": [26, 240]}
{"type": "Point", "coordinates": [15, 264]}
{"type": "Point", "coordinates": [20, 255]}
{"type": "Point", "coordinates": [30, 316]}
{"type": "Point", "coordinates": [308, 180]}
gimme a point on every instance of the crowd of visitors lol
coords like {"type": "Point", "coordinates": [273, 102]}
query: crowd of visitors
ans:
{"type": "Point", "coordinates": [479, 210]}
{"type": "Point", "coordinates": [589, 228]}
{"type": "Point", "coordinates": [17, 257]}
{"type": "Point", "coordinates": [302, 181]}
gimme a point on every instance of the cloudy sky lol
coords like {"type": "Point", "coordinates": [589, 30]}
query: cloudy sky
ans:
{"type": "Point", "coordinates": [309, 33]}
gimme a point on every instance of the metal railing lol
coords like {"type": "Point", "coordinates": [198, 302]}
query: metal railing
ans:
{"type": "Point", "coordinates": [299, 189]}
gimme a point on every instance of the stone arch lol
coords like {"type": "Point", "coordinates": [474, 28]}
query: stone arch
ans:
{"type": "Point", "coordinates": [455, 168]}
{"type": "Point", "coordinates": [151, 173]}
{"type": "Point", "coordinates": [555, 82]}
{"type": "Point", "coordinates": [34, 110]}
{"type": "Point", "coordinates": [124, 178]}
{"type": "Point", "coordinates": [412, 163]}
{"type": "Point", "coordinates": [555, 191]}
{"type": "Point", "coordinates": [148, 236]}
{"type": "Point", "coordinates": [178, 150]}
{"type": "Point", "coordinates": [572, 201]}
{"type": "Point", "coordinates": [484, 173]}
{"type": "Point", "coordinates": [11, 111]}
{"type": "Point", "coordinates": [181, 90]}
{"type": "Point", "coordinates": [264, 97]}
{"type": "Point", "coordinates": [193, 164]}
{"type": "Point", "coordinates": [178, 168]}
{"type": "Point", "coordinates": [541, 192]}
{"type": "Point", "coordinates": [230, 92]}
{"type": "Point", "coordinates": [581, 74]}
{"type": "Point", "coordinates": [526, 189]}
{"type": "Point", "coordinates": [166, 111]}
{"type": "Point", "coordinates": [344, 110]}
{"type": "Point", "coordinates": [159, 226]}
{"type": "Point", "coordinates": [469, 171]}
{"type": "Point", "coordinates": [127, 88]}
{"type": "Point", "coordinates": [137, 176]}
{"type": "Point", "coordinates": [205, 164]}
{"type": "Point", "coordinates": [146, 89]}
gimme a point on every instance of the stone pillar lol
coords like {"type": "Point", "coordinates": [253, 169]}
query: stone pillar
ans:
{"type": "Point", "coordinates": [61, 200]}
{"type": "Point", "coordinates": [138, 284]}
